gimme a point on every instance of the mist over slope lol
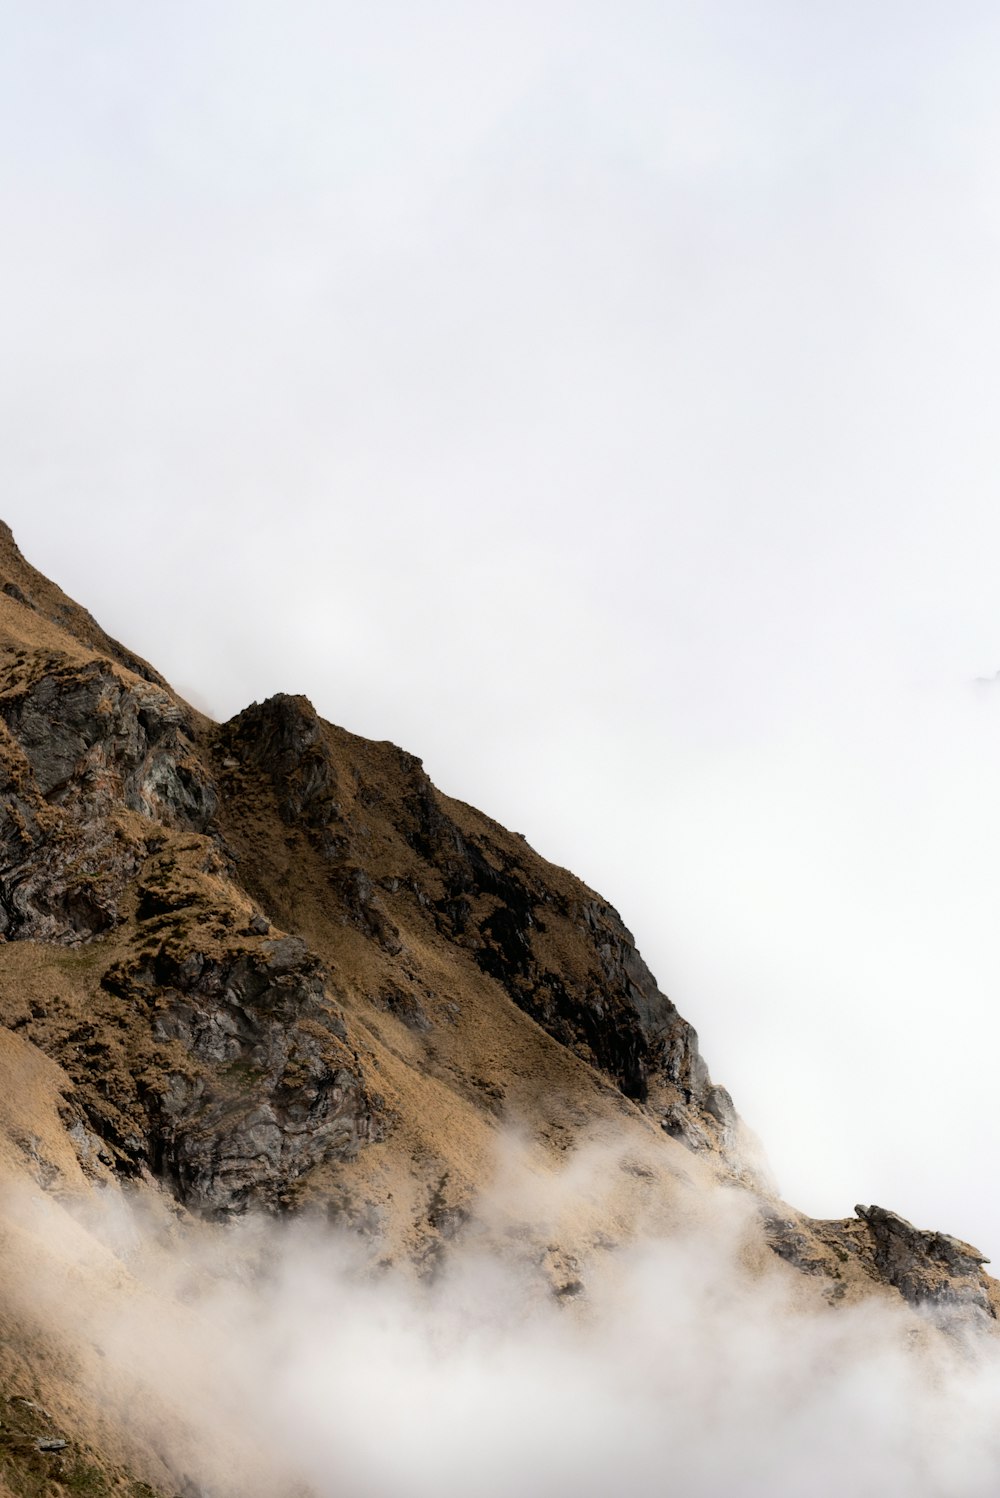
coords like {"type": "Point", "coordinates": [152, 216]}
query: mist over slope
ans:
{"type": "Point", "coordinates": [348, 1143]}
{"type": "Point", "coordinates": [282, 1357]}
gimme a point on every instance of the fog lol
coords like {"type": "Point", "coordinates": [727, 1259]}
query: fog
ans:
{"type": "Point", "coordinates": [271, 1359]}
{"type": "Point", "coordinates": [600, 402]}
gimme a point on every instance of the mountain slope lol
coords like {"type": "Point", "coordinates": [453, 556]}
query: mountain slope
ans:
{"type": "Point", "coordinates": [266, 965]}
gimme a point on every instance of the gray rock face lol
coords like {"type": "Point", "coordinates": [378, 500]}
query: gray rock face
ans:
{"type": "Point", "coordinates": [789, 1238]}
{"type": "Point", "coordinates": [87, 728]}
{"type": "Point", "coordinates": [932, 1271]}
{"type": "Point", "coordinates": [98, 770]}
{"type": "Point", "coordinates": [81, 745]}
{"type": "Point", "coordinates": [928, 1269]}
{"type": "Point", "coordinates": [278, 1090]}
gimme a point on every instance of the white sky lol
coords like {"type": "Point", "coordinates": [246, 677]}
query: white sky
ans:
{"type": "Point", "coordinates": [599, 400]}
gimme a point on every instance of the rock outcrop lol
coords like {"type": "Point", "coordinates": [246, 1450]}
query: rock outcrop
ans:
{"type": "Point", "coordinates": [90, 760]}
{"type": "Point", "coordinates": [931, 1271]}
{"type": "Point", "coordinates": [270, 1088]}
{"type": "Point", "coordinates": [928, 1269]}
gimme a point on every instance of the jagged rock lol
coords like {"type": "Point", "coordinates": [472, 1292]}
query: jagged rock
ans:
{"type": "Point", "coordinates": [279, 1090]}
{"type": "Point", "coordinates": [284, 737]}
{"type": "Point", "coordinates": [928, 1269]}
{"type": "Point", "coordinates": [82, 746]}
{"type": "Point", "coordinates": [932, 1271]}
{"type": "Point", "coordinates": [791, 1238]}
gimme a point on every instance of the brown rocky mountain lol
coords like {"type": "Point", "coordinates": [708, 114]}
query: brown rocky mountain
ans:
{"type": "Point", "coordinates": [267, 966]}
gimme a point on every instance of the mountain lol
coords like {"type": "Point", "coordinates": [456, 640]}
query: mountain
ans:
{"type": "Point", "coordinates": [266, 968]}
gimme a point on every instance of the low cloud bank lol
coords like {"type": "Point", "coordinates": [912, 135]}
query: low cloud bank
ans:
{"type": "Point", "coordinates": [273, 1359]}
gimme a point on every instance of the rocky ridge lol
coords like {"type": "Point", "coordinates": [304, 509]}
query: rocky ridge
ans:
{"type": "Point", "coordinates": [280, 971]}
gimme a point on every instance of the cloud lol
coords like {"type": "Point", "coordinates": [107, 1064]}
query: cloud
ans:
{"type": "Point", "coordinates": [270, 1358]}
